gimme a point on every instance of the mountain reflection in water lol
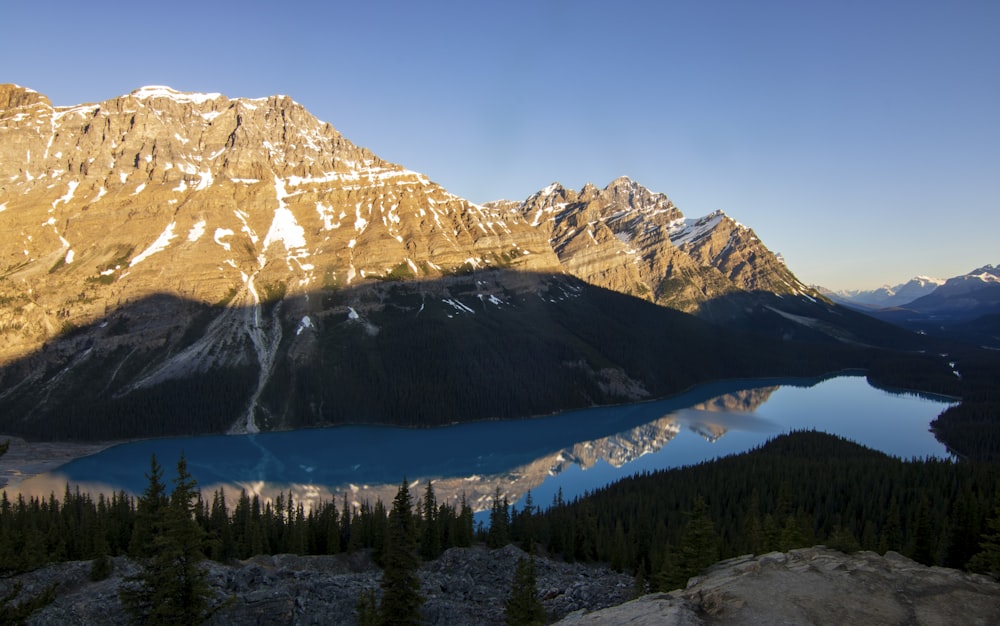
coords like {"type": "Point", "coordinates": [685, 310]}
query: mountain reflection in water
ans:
{"type": "Point", "coordinates": [573, 452]}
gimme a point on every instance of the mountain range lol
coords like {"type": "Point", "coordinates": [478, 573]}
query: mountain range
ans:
{"type": "Point", "coordinates": [964, 307]}
{"type": "Point", "coordinates": [886, 295]}
{"type": "Point", "coordinates": [186, 262]}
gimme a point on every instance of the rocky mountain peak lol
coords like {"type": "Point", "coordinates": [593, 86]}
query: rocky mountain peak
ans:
{"type": "Point", "coordinates": [215, 200]}
{"type": "Point", "coordinates": [627, 238]}
{"type": "Point", "coordinates": [16, 97]}
{"type": "Point", "coordinates": [215, 234]}
{"type": "Point", "coordinates": [986, 273]}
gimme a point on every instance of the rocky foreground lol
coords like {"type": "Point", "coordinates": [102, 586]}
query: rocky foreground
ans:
{"type": "Point", "coordinates": [814, 586]}
{"type": "Point", "coordinates": [463, 586]}
{"type": "Point", "coordinates": [469, 586]}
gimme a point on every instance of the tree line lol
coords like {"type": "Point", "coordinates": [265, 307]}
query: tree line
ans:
{"type": "Point", "coordinates": [797, 490]}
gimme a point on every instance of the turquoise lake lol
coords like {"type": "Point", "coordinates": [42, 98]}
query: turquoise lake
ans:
{"type": "Point", "coordinates": [573, 452]}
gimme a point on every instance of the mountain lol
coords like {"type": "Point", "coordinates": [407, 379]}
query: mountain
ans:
{"type": "Point", "coordinates": [968, 296]}
{"type": "Point", "coordinates": [886, 296]}
{"type": "Point", "coordinates": [213, 199]}
{"type": "Point", "coordinates": [965, 308]}
{"type": "Point", "coordinates": [185, 262]}
{"type": "Point", "coordinates": [634, 241]}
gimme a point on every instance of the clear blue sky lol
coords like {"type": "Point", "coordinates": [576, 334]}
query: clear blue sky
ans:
{"type": "Point", "coordinates": [861, 139]}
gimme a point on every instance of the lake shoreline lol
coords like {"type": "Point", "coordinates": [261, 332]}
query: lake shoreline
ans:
{"type": "Point", "coordinates": [26, 459]}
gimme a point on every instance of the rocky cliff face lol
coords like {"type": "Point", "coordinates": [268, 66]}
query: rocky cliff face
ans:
{"type": "Point", "coordinates": [814, 586]}
{"type": "Point", "coordinates": [212, 199]}
{"type": "Point", "coordinates": [244, 206]}
{"type": "Point", "coordinates": [240, 263]}
{"type": "Point", "coordinates": [629, 239]}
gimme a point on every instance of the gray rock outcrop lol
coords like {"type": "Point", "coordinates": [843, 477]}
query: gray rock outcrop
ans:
{"type": "Point", "coordinates": [469, 586]}
{"type": "Point", "coordinates": [814, 586]}
{"type": "Point", "coordinates": [463, 586]}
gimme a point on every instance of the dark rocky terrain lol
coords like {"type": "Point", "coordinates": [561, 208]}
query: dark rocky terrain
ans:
{"type": "Point", "coordinates": [469, 586]}
{"type": "Point", "coordinates": [463, 586]}
{"type": "Point", "coordinates": [815, 586]}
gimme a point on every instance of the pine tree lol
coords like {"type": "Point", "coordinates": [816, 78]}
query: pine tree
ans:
{"type": "Point", "coordinates": [922, 542]}
{"type": "Point", "coordinates": [987, 560]}
{"type": "Point", "coordinates": [523, 607]}
{"type": "Point", "coordinates": [892, 534]}
{"type": "Point", "coordinates": [430, 541]}
{"type": "Point", "coordinates": [17, 613]}
{"type": "Point", "coordinates": [699, 542]}
{"type": "Point", "coordinates": [669, 576]}
{"type": "Point", "coordinates": [401, 598]}
{"type": "Point", "coordinates": [463, 531]}
{"type": "Point", "coordinates": [172, 587]}
{"type": "Point", "coordinates": [526, 524]}
{"type": "Point", "coordinates": [753, 540]}
{"type": "Point", "coordinates": [366, 609]}
{"type": "Point", "coordinates": [149, 512]}
{"type": "Point", "coordinates": [223, 544]}
{"type": "Point", "coordinates": [499, 532]}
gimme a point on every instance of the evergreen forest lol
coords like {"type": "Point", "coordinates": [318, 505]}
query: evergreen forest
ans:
{"type": "Point", "coordinates": [799, 489]}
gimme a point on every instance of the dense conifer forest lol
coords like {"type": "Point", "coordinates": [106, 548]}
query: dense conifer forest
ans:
{"type": "Point", "coordinates": [797, 490]}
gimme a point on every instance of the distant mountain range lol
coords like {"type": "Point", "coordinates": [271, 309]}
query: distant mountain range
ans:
{"type": "Point", "coordinates": [886, 296]}
{"type": "Point", "coordinates": [965, 307]}
{"type": "Point", "coordinates": [184, 262]}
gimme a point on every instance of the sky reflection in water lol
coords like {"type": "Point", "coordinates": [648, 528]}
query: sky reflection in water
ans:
{"type": "Point", "coordinates": [574, 451]}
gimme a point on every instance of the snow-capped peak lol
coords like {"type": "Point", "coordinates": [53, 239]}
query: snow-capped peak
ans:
{"type": "Point", "coordinates": [161, 91]}
{"type": "Point", "coordinates": [548, 191]}
{"type": "Point", "coordinates": [693, 229]}
{"type": "Point", "coordinates": [928, 280]}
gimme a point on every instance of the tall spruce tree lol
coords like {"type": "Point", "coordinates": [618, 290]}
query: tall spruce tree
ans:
{"type": "Point", "coordinates": [700, 542]}
{"type": "Point", "coordinates": [430, 539]}
{"type": "Point", "coordinates": [401, 599]}
{"type": "Point", "coordinates": [171, 587]}
{"type": "Point", "coordinates": [987, 560]}
{"type": "Point", "coordinates": [523, 608]}
{"type": "Point", "coordinates": [149, 512]}
{"type": "Point", "coordinates": [499, 532]}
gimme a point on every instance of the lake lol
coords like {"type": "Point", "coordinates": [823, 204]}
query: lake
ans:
{"type": "Point", "coordinates": [574, 452]}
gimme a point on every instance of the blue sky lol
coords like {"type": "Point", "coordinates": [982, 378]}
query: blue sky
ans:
{"type": "Point", "coordinates": [859, 139]}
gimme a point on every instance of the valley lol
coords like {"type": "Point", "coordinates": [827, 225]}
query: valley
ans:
{"type": "Point", "coordinates": [187, 265]}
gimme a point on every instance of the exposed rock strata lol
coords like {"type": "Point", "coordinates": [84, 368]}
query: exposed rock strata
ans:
{"type": "Point", "coordinates": [629, 239]}
{"type": "Point", "coordinates": [214, 199]}
{"type": "Point", "coordinates": [163, 239]}
{"type": "Point", "coordinates": [814, 586]}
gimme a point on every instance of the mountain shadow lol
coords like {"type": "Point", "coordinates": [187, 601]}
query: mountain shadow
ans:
{"type": "Point", "coordinates": [809, 319]}
{"type": "Point", "coordinates": [482, 345]}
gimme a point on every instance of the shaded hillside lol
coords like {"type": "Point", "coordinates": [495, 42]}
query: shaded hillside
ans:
{"type": "Point", "coordinates": [412, 353]}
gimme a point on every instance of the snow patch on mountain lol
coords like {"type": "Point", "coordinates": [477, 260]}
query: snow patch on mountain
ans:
{"type": "Point", "coordinates": [160, 244]}
{"type": "Point", "coordinates": [286, 229]}
{"type": "Point", "coordinates": [150, 92]}
{"type": "Point", "coordinates": [693, 229]}
{"type": "Point", "coordinates": [196, 231]}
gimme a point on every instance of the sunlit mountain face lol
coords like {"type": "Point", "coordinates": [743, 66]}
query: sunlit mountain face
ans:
{"type": "Point", "coordinates": [178, 263]}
